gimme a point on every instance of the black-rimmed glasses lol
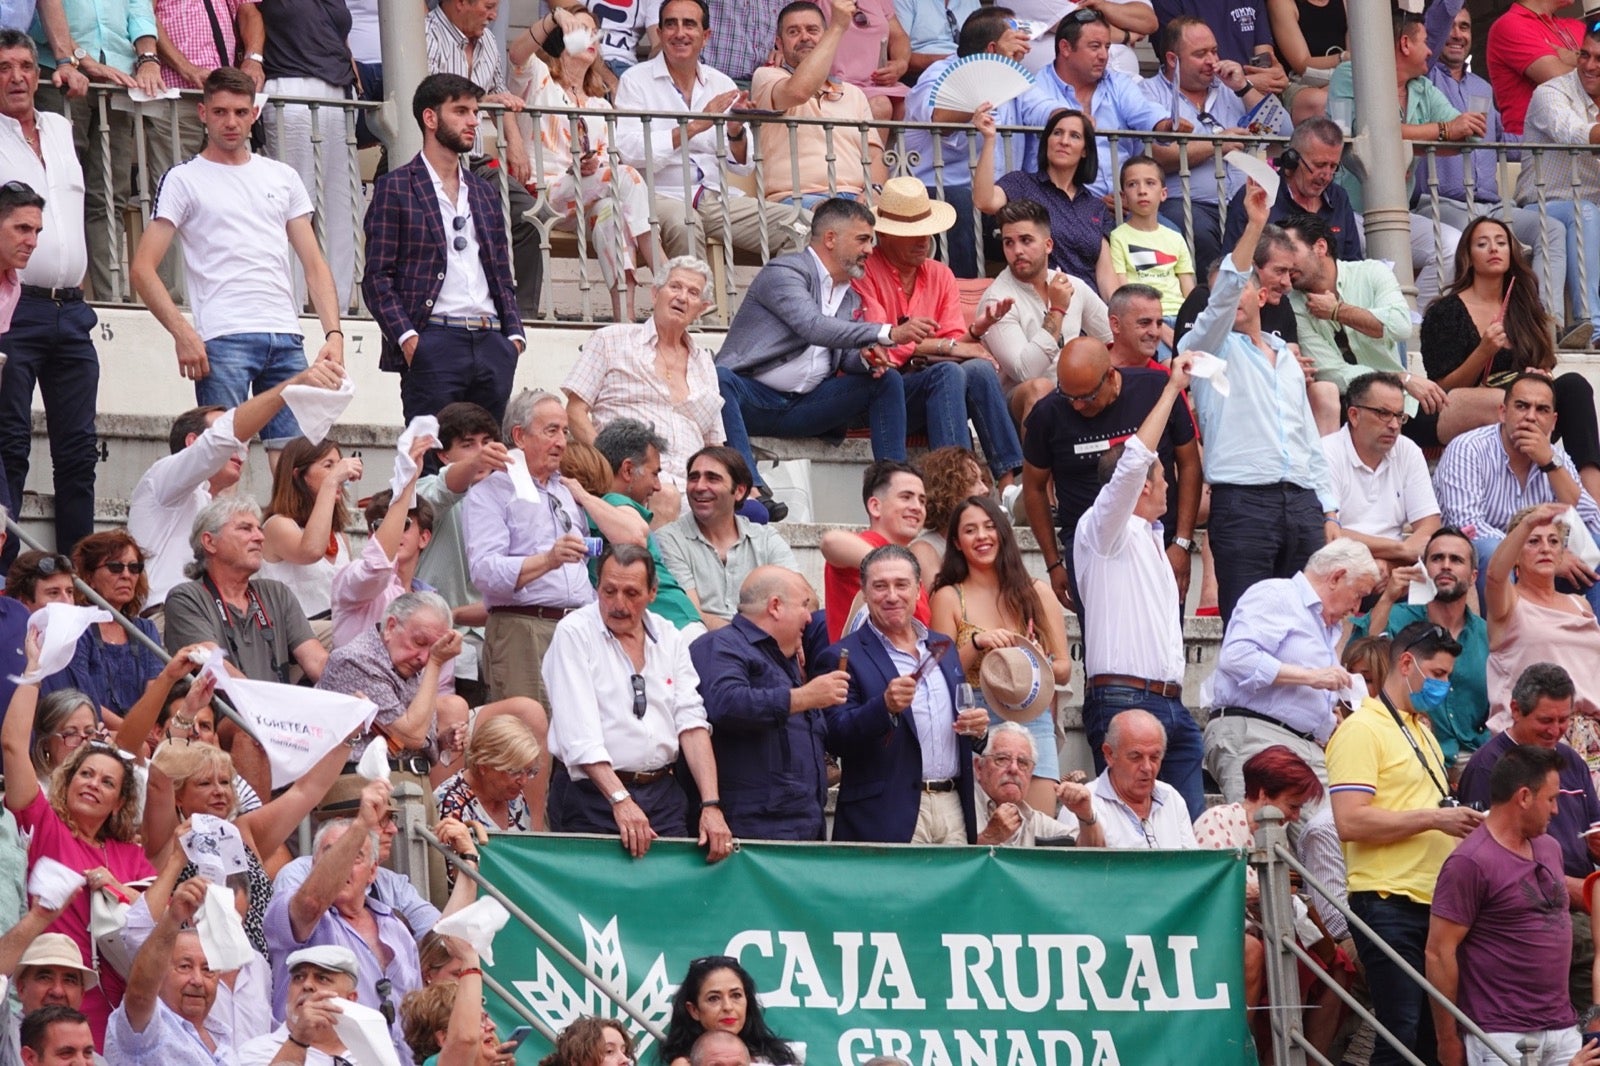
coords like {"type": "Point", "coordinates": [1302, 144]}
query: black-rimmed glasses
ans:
{"type": "Point", "coordinates": [1383, 414]}
{"type": "Point", "coordinates": [459, 224]}
{"type": "Point", "coordinates": [637, 681]}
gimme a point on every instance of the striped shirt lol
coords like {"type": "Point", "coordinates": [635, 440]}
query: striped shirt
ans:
{"type": "Point", "coordinates": [188, 29]}
{"type": "Point", "coordinates": [1477, 488]}
{"type": "Point", "coordinates": [447, 54]}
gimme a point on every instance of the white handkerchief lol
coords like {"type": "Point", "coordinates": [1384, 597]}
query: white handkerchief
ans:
{"type": "Point", "coordinates": [365, 1034]}
{"type": "Point", "coordinates": [222, 935]}
{"type": "Point", "coordinates": [521, 480]}
{"type": "Point", "coordinates": [1356, 692]}
{"type": "Point", "coordinates": [261, 101]}
{"type": "Point", "coordinates": [139, 96]}
{"type": "Point", "coordinates": [1257, 170]}
{"type": "Point", "coordinates": [1208, 367]}
{"type": "Point", "coordinates": [374, 764]}
{"type": "Point", "coordinates": [404, 468]}
{"type": "Point", "coordinates": [59, 626]}
{"type": "Point", "coordinates": [215, 847]}
{"type": "Point", "coordinates": [53, 883]}
{"type": "Point", "coordinates": [1579, 541]}
{"type": "Point", "coordinates": [1422, 591]}
{"type": "Point", "coordinates": [316, 408]}
{"type": "Point", "coordinates": [476, 923]}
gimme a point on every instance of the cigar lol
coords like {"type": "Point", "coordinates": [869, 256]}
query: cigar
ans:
{"type": "Point", "coordinates": [844, 658]}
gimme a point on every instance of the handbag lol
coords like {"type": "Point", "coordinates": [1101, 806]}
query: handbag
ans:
{"type": "Point", "coordinates": [107, 916]}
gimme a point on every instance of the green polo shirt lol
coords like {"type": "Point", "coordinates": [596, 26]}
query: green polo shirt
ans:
{"type": "Point", "coordinates": [1425, 103]}
{"type": "Point", "coordinates": [1458, 726]}
{"type": "Point", "coordinates": [672, 603]}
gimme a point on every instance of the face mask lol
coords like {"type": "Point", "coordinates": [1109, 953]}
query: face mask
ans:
{"type": "Point", "coordinates": [577, 40]}
{"type": "Point", "coordinates": [1432, 694]}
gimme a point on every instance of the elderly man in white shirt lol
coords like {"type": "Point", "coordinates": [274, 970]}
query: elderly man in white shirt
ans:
{"type": "Point", "coordinates": [1386, 498]}
{"type": "Point", "coordinates": [1133, 807]}
{"type": "Point", "coordinates": [625, 700]}
{"type": "Point", "coordinates": [675, 80]}
{"type": "Point", "coordinates": [1003, 772]}
{"type": "Point", "coordinates": [318, 976]}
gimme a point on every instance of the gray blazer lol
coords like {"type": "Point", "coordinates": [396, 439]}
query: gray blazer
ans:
{"type": "Point", "coordinates": [782, 316]}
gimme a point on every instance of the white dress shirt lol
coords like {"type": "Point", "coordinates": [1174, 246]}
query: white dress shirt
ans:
{"type": "Point", "coordinates": [465, 290]}
{"type": "Point", "coordinates": [263, 1049]}
{"type": "Point", "coordinates": [814, 364]}
{"type": "Point", "coordinates": [1132, 620]}
{"type": "Point", "coordinates": [1167, 826]}
{"type": "Point", "coordinates": [1018, 341]}
{"type": "Point", "coordinates": [1380, 502]}
{"type": "Point", "coordinates": [167, 498]}
{"type": "Point", "coordinates": [589, 675]}
{"type": "Point", "coordinates": [932, 709]}
{"type": "Point", "coordinates": [648, 86]}
{"type": "Point", "coordinates": [61, 259]}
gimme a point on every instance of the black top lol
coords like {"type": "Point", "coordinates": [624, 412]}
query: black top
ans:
{"type": "Point", "coordinates": [1324, 28]}
{"type": "Point", "coordinates": [306, 39]}
{"type": "Point", "coordinates": [1276, 319]}
{"type": "Point", "coordinates": [1449, 335]}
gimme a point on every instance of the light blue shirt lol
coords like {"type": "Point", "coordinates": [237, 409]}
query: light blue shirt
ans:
{"type": "Point", "coordinates": [106, 29]}
{"type": "Point", "coordinates": [932, 710]}
{"type": "Point", "coordinates": [1262, 432]}
{"type": "Point", "coordinates": [1226, 111]}
{"type": "Point", "coordinates": [1119, 103]}
{"type": "Point", "coordinates": [1278, 623]}
{"type": "Point", "coordinates": [929, 29]}
{"type": "Point", "coordinates": [954, 158]}
{"type": "Point", "coordinates": [17, 15]}
{"type": "Point", "coordinates": [167, 1040]}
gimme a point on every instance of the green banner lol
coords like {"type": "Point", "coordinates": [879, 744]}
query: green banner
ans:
{"type": "Point", "coordinates": [942, 956]}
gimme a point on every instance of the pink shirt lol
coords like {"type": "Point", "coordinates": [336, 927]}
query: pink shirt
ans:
{"type": "Point", "coordinates": [933, 295]}
{"type": "Point", "coordinates": [362, 591]}
{"type": "Point", "coordinates": [10, 293]}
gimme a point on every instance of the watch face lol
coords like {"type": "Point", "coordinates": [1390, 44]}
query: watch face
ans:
{"type": "Point", "coordinates": [80, 54]}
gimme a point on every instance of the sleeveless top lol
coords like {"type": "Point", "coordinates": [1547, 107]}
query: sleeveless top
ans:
{"type": "Point", "coordinates": [1325, 27]}
{"type": "Point", "coordinates": [1539, 634]}
{"type": "Point", "coordinates": [966, 632]}
{"type": "Point", "coordinates": [311, 584]}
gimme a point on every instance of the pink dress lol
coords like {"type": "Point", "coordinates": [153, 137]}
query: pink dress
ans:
{"type": "Point", "coordinates": [858, 53]}
{"type": "Point", "coordinates": [1537, 634]}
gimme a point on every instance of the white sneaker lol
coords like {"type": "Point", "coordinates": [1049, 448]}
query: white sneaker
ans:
{"type": "Point", "coordinates": [1011, 503]}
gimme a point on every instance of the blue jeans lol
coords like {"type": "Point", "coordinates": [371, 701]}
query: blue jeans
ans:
{"type": "Point", "coordinates": [49, 343]}
{"type": "Point", "coordinates": [246, 363]}
{"type": "Point", "coordinates": [1180, 767]}
{"type": "Point", "coordinates": [1397, 1001]}
{"type": "Point", "coordinates": [811, 199]}
{"type": "Point", "coordinates": [751, 407]}
{"type": "Point", "coordinates": [986, 404]}
{"type": "Point", "coordinates": [1484, 545]}
{"type": "Point", "coordinates": [961, 240]}
{"type": "Point", "coordinates": [1584, 305]}
{"type": "Point", "coordinates": [453, 364]}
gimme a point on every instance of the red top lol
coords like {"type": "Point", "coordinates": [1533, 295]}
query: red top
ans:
{"type": "Point", "coordinates": [840, 585]}
{"type": "Point", "coordinates": [933, 295]}
{"type": "Point", "coordinates": [1518, 39]}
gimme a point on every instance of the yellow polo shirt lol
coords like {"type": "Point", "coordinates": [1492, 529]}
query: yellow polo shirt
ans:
{"type": "Point", "coordinates": [1369, 754]}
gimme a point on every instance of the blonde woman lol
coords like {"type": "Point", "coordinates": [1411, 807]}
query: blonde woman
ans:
{"type": "Point", "coordinates": [502, 756]}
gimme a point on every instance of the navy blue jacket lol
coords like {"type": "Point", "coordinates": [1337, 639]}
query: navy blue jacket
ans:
{"type": "Point", "coordinates": [771, 772]}
{"type": "Point", "coordinates": [881, 757]}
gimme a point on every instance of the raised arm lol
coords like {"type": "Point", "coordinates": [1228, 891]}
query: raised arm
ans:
{"type": "Point", "coordinates": [151, 965]}
{"type": "Point", "coordinates": [287, 541]}
{"type": "Point", "coordinates": [331, 869]}
{"type": "Point", "coordinates": [16, 736]}
{"type": "Point", "coordinates": [986, 195]}
{"type": "Point", "coordinates": [272, 823]}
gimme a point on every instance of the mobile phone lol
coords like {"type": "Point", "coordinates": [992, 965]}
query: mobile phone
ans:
{"type": "Point", "coordinates": [1260, 61]}
{"type": "Point", "coordinates": [1591, 1038]}
{"type": "Point", "coordinates": [519, 1034]}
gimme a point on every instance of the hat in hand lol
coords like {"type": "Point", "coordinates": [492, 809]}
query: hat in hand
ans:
{"type": "Point", "coordinates": [1017, 682]}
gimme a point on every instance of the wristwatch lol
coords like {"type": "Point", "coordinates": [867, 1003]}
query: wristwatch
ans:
{"type": "Point", "coordinates": [1184, 542]}
{"type": "Point", "coordinates": [145, 57]}
{"type": "Point", "coordinates": [1551, 467]}
{"type": "Point", "coordinates": [255, 57]}
{"type": "Point", "coordinates": [618, 796]}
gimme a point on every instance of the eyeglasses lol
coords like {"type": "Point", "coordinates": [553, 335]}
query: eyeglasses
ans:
{"type": "Point", "coordinates": [118, 568]}
{"type": "Point", "coordinates": [1433, 632]}
{"type": "Point", "coordinates": [637, 681]}
{"type": "Point", "coordinates": [1006, 762]}
{"type": "Point", "coordinates": [17, 187]}
{"type": "Point", "coordinates": [385, 990]}
{"type": "Point", "coordinates": [459, 223]}
{"type": "Point", "coordinates": [830, 93]}
{"type": "Point", "coordinates": [950, 20]}
{"type": "Point", "coordinates": [1208, 119]}
{"type": "Point", "coordinates": [1383, 414]}
{"type": "Point", "coordinates": [1091, 394]}
{"type": "Point", "coordinates": [372, 527]}
{"type": "Point", "coordinates": [73, 737]}
{"type": "Point", "coordinates": [525, 774]}
{"type": "Point", "coordinates": [558, 515]}
{"type": "Point", "coordinates": [1341, 341]}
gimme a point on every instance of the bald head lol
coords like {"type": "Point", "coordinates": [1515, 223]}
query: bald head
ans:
{"type": "Point", "coordinates": [1085, 377]}
{"type": "Point", "coordinates": [1135, 726]}
{"type": "Point", "coordinates": [762, 584]}
{"type": "Point", "coordinates": [718, 1047]}
{"type": "Point", "coordinates": [778, 602]}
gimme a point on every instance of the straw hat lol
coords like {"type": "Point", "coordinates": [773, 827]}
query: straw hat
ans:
{"type": "Point", "coordinates": [905, 210]}
{"type": "Point", "coordinates": [1017, 682]}
{"type": "Point", "coordinates": [58, 949]}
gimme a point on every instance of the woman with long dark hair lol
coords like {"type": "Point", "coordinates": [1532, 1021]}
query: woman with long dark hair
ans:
{"type": "Point", "coordinates": [718, 993]}
{"type": "Point", "coordinates": [305, 542]}
{"type": "Point", "coordinates": [985, 598]}
{"type": "Point", "coordinates": [1486, 328]}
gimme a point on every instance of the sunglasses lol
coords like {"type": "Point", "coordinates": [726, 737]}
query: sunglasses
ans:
{"type": "Point", "coordinates": [118, 568]}
{"type": "Point", "coordinates": [54, 564]}
{"type": "Point", "coordinates": [385, 990]}
{"type": "Point", "coordinates": [1433, 632]}
{"type": "Point", "coordinates": [860, 19]}
{"type": "Point", "coordinates": [372, 527]}
{"type": "Point", "coordinates": [1086, 397]}
{"type": "Point", "coordinates": [637, 681]}
{"type": "Point", "coordinates": [458, 224]}
{"type": "Point", "coordinates": [17, 187]}
{"type": "Point", "coordinates": [1086, 15]}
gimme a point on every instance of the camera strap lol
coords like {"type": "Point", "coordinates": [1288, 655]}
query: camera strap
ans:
{"type": "Point", "coordinates": [1415, 747]}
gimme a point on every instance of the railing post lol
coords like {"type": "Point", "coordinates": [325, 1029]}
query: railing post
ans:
{"type": "Point", "coordinates": [405, 64]}
{"type": "Point", "coordinates": [1277, 927]}
{"type": "Point", "coordinates": [411, 850]}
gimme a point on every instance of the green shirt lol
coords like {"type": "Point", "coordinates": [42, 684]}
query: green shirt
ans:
{"type": "Point", "coordinates": [672, 603]}
{"type": "Point", "coordinates": [1458, 726]}
{"type": "Point", "coordinates": [1424, 104]}
{"type": "Point", "coordinates": [1370, 285]}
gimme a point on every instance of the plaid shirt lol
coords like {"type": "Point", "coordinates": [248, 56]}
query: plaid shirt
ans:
{"type": "Point", "coordinates": [406, 254]}
{"type": "Point", "coordinates": [188, 27]}
{"type": "Point", "coordinates": [741, 37]}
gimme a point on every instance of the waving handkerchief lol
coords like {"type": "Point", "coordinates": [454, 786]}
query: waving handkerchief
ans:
{"type": "Point", "coordinates": [476, 923]}
{"type": "Point", "coordinates": [215, 847]}
{"type": "Point", "coordinates": [1422, 591]}
{"type": "Point", "coordinates": [521, 480]}
{"type": "Point", "coordinates": [404, 468]}
{"type": "Point", "coordinates": [1579, 540]}
{"type": "Point", "coordinates": [53, 883]}
{"type": "Point", "coordinates": [1208, 367]}
{"type": "Point", "coordinates": [364, 1034]}
{"type": "Point", "coordinates": [59, 625]}
{"type": "Point", "coordinates": [222, 935]}
{"type": "Point", "coordinates": [316, 408]}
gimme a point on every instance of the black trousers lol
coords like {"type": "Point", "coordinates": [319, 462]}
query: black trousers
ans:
{"type": "Point", "coordinates": [578, 806]}
{"type": "Point", "coordinates": [1261, 531]}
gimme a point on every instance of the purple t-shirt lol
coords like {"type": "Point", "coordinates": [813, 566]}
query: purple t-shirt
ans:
{"type": "Point", "coordinates": [1513, 960]}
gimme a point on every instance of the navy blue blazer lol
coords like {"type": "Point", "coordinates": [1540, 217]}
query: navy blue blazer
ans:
{"type": "Point", "coordinates": [881, 756]}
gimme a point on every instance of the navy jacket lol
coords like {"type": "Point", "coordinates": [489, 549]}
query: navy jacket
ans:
{"type": "Point", "coordinates": [881, 757]}
{"type": "Point", "coordinates": [770, 763]}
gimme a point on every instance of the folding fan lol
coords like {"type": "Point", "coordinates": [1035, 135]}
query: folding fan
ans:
{"type": "Point", "coordinates": [974, 80]}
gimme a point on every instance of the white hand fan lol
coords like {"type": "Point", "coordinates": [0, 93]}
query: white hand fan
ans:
{"type": "Point", "coordinates": [974, 80]}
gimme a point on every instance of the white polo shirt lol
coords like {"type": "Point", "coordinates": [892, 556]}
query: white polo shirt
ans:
{"type": "Point", "coordinates": [1379, 502]}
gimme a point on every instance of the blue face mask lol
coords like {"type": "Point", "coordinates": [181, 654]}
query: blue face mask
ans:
{"type": "Point", "coordinates": [1432, 694]}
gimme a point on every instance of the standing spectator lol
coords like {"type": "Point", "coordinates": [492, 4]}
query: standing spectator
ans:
{"type": "Point", "coordinates": [306, 544]}
{"type": "Point", "coordinates": [875, 57]}
{"type": "Point", "coordinates": [632, 452]}
{"type": "Point", "coordinates": [460, 42]}
{"type": "Point", "coordinates": [108, 666]}
{"type": "Point", "coordinates": [949, 477]}
{"type": "Point", "coordinates": [236, 216]}
{"type": "Point", "coordinates": [1132, 616]}
{"type": "Point", "coordinates": [459, 295]}
{"type": "Point", "coordinates": [895, 501]}
{"type": "Point", "coordinates": [1391, 802]}
{"type": "Point", "coordinates": [1489, 931]}
{"type": "Point", "coordinates": [1146, 250]}
{"type": "Point", "coordinates": [1529, 45]}
{"type": "Point", "coordinates": [769, 723]}
{"type": "Point", "coordinates": [47, 336]}
{"type": "Point", "coordinates": [676, 80]}
{"type": "Point", "coordinates": [1135, 808]}
{"type": "Point", "coordinates": [712, 549]}
{"type": "Point", "coordinates": [933, 26]}
{"type": "Point", "coordinates": [627, 705]}
{"type": "Point", "coordinates": [1278, 672]}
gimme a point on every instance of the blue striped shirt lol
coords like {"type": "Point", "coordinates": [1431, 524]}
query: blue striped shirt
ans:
{"type": "Point", "coordinates": [1278, 623]}
{"type": "Point", "coordinates": [1477, 487]}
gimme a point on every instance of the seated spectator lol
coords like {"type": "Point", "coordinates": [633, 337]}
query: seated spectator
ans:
{"type": "Point", "coordinates": [56, 1034]}
{"type": "Point", "coordinates": [949, 476]}
{"type": "Point", "coordinates": [1079, 219]}
{"type": "Point", "coordinates": [799, 326]}
{"type": "Point", "coordinates": [1135, 809]}
{"type": "Point", "coordinates": [1490, 326]}
{"type": "Point", "coordinates": [948, 371]}
{"type": "Point", "coordinates": [1134, 314]}
{"type": "Point", "coordinates": [985, 598]}
{"type": "Point", "coordinates": [838, 161]}
{"type": "Point", "coordinates": [623, 27]}
{"type": "Point", "coordinates": [710, 549]}
{"type": "Point", "coordinates": [592, 1041]}
{"type": "Point", "coordinates": [933, 28]}
{"type": "Point", "coordinates": [1244, 33]}
{"type": "Point", "coordinates": [502, 756]}
{"type": "Point", "coordinates": [580, 179]}
{"type": "Point", "coordinates": [875, 56]}
{"type": "Point", "coordinates": [1143, 249]}
{"type": "Point", "coordinates": [446, 1023]}
{"type": "Point", "coordinates": [1308, 35]}
{"type": "Point", "coordinates": [257, 620]}
{"type": "Point", "coordinates": [676, 80]}
{"type": "Point", "coordinates": [1564, 185]}
{"type": "Point", "coordinates": [1448, 562]}
{"type": "Point", "coordinates": [1530, 621]}
{"type": "Point", "coordinates": [304, 526]}
{"type": "Point", "coordinates": [1045, 307]}
{"type": "Point", "coordinates": [632, 450]}
{"type": "Point", "coordinates": [209, 449]}
{"type": "Point", "coordinates": [1542, 234]}
{"type": "Point", "coordinates": [714, 989]}
{"type": "Point", "coordinates": [1525, 50]}
{"type": "Point", "coordinates": [37, 578]}
{"type": "Point", "coordinates": [1278, 672]}
{"type": "Point", "coordinates": [1488, 475]}
{"type": "Point", "coordinates": [318, 977]}
{"type": "Point", "coordinates": [657, 373]}
{"type": "Point", "coordinates": [86, 817]}
{"type": "Point", "coordinates": [1217, 96]}
{"type": "Point", "coordinates": [1386, 500]}
{"type": "Point", "coordinates": [1308, 188]}
{"type": "Point", "coordinates": [1003, 773]}
{"type": "Point", "coordinates": [895, 501]}
{"type": "Point", "coordinates": [768, 723]}
{"type": "Point", "coordinates": [46, 971]}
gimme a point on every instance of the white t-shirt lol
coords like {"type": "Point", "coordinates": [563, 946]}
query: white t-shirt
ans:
{"type": "Point", "coordinates": [622, 26]}
{"type": "Point", "coordinates": [363, 41]}
{"type": "Point", "coordinates": [231, 225]}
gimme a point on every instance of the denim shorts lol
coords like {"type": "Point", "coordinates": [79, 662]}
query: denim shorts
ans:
{"type": "Point", "coordinates": [251, 363]}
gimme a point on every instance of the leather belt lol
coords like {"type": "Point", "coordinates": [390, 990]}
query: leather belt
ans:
{"type": "Point", "coordinates": [64, 294]}
{"type": "Point", "coordinates": [407, 762]}
{"type": "Point", "coordinates": [631, 778]}
{"type": "Point", "coordinates": [1245, 712]}
{"type": "Point", "coordinates": [553, 614]}
{"type": "Point", "coordinates": [948, 784]}
{"type": "Point", "coordinates": [473, 322]}
{"type": "Point", "coordinates": [1170, 689]}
